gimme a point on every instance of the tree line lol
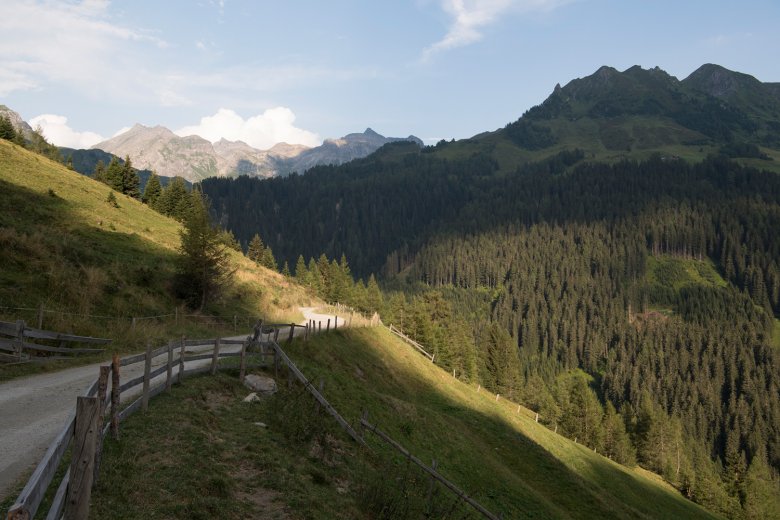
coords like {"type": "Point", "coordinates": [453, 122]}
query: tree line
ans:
{"type": "Point", "coordinates": [535, 283]}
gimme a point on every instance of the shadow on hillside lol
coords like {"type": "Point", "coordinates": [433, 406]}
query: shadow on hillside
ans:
{"type": "Point", "coordinates": [50, 255]}
{"type": "Point", "coordinates": [434, 417]}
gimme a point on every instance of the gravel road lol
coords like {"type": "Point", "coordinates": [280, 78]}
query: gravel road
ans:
{"type": "Point", "coordinates": [34, 409]}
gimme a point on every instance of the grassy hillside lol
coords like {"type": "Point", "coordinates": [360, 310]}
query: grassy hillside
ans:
{"type": "Point", "coordinates": [93, 265]}
{"type": "Point", "coordinates": [302, 466]}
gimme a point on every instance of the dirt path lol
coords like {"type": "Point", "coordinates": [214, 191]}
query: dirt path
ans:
{"type": "Point", "coordinates": [34, 409]}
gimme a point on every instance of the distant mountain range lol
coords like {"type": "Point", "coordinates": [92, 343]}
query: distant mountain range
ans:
{"type": "Point", "coordinates": [195, 158]}
{"type": "Point", "coordinates": [20, 125]}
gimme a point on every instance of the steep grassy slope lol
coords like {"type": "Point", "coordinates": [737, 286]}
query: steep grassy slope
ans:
{"type": "Point", "coordinates": [93, 265]}
{"type": "Point", "coordinates": [303, 466]}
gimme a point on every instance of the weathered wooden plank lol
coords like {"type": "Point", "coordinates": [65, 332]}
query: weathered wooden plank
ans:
{"type": "Point", "coordinates": [158, 351]}
{"type": "Point", "coordinates": [198, 356]}
{"type": "Point", "coordinates": [11, 346]}
{"type": "Point", "coordinates": [8, 328]}
{"type": "Point", "coordinates": [181, 359]}
{"type": "Point", "coordinates": [131, 383]}
{"type": "Point", "coordinates": [157, 371]}
{"type": "Point", "coordinates": [101, 395]}
{"type": "Point", "coordinates": [57, 336]}
{"type": "Point", "coordinates": [147, 370]}
{"type": "Point", "coordinates": [131, 360]}
{"type": "Point", "coordinates": [115, 396]}
{"type": "Point", "coordinates": [242, 362]}
{"type": "Point", "coordinates": [215, 358]}
{"type": "Point", "coordinates": [198, 342]}
{"type": "Point", "coordinates": [232, 341]}
{"type": "Point", "coordinates": [169, 368]}
{"type": "Point", "coordinates": [29, 499]}
{"type": "Point", "coordinates": [129, 410]}
{"type": "Point", "coordinates": [58, 502]}
{"type": "Point", "coordinates": [83, 458]}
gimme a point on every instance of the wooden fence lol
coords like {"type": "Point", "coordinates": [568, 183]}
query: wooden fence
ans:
{"type": "Point", "coordinates": [98, 411]}
{"type": "Point", "coordinates": [413, 343]}
{"type": "Point", "coordinates": [431, 470]}
{"type": "Point", "coordinates": [15, 344]}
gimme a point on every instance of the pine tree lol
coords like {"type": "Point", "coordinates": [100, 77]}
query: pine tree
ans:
{"type": "Point", "coordinates": [7, 130]}
{"type": "Point", "coordinates": [153, 190]}
{"type": "Point", "coordinates": [203, 266]}
{"type": "Point", "coordinates": [256, 249]}
{"type": "Point", "coordinates": [302, 274]}
{"type": "Point", "coordinates": [286, 270]}
{"type": "Point", "coordinates": [501, 361]}
{"type": "Point", "coordinates": [373, 295]}
{"type": "Point", "coordinates": [113, 176]}
{"type": "Point", "coordinates": [130, 181]}
{"type": "Point", "coordinates": [268, 260]}
{"type": "Point", "coordinates": [174, 201]}
{"type": "Point", "coordinates": [100, 172]}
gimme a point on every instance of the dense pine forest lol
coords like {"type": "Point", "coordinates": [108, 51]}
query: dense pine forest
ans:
{"type": "Point", "coordinates": [632, 304]}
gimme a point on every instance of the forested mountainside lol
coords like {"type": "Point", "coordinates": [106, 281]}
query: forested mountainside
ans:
{"type": "Point", "coordinates": [643, 286]}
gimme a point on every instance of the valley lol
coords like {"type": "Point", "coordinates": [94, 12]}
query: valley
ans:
{"type": "Point", "coordinates": [598, 283]}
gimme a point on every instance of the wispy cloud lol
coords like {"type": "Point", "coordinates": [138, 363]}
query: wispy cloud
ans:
{"type": "Point", "coordinates": [74, 43]}
{"type": "Point", "coordinates": [471, 17]}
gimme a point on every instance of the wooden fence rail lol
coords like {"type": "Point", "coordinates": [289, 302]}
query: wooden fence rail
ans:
{"type": "Point", "coordinates": [13, 345]}
{"type": "Point", "coordinates": [410, 341]}
{"type": "Point", "coordinates": [431, 471]}
{"type": "Point", "coordinates": [29, 500]}
{"type": "Point", "coordinates": [317, 395]}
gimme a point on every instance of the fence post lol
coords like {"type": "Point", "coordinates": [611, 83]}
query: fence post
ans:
{"type": "Point", "coordinates": [361, 427]}
{"type": "Point", "coordinates": [132, 324]}
{"type": "Point", "coordinates": [40, 316]}
{"type": "Point", "coordinates": [292, 333]}
{"type": "Point", "coordinates": [215, 357]}
{"type": "Point", "coordinates": [115, 396]}
{"type": "Point", "coordinates": [235, 323]}
{"type": "Point", "coordinates": [328, 328]}
{"type": "Point", "coordinates": [276, 335]}
{"type": "Point", "coordinates": [20, 326]}
{"type": "Point", "coordinates": [147, 370]}
{"type": "Point", "coordinates": [101, 395]}
{"type": "Point", "coordinates": [276, 363]}
{"type": "Point", "coordinates": [431, 486]}
{"type": "Point", "coordinates": [169, 372]}
{"type": "Point", "coordinates": [242, 365]}
{"type": "Point", "coordinates": [181, 358]}
{"type": "Point", "coordinates": [320, 325]}
{"type": "Point", "coordinates": [335, 322]}
{"type": "Point", "coordinates": [83, 460]}
{"type": "Point", "coordinates": [175, 315]}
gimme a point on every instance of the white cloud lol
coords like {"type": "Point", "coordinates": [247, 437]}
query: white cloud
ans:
{"type": "Point", "coordinates": [74, 43]}
{"type": "Point", "coordinates": [470, 17]}
{"type": "Point", "coordinates": [56, 130]}
{"type": "Point", "coordinates": [275, 125]}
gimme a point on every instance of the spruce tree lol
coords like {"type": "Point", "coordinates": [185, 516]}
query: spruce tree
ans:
{"type": "Point", "coordinates": [203, 266]}
{"type": "Point", "coordinates": [255, 250]}
{"type": "Point", "coordinates": [153, 190]}
{"type": "Point", "coordinates": [130, 181]}
{"type": "Point", "coordinates": [114, 174]}
{"type": "Point", "coordinates": [7, 130]}
{"type": "Point", "coordinates": [100, 172]}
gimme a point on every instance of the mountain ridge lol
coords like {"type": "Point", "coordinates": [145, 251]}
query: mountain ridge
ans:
{"type": "Point", "coordinates": [195, 158]}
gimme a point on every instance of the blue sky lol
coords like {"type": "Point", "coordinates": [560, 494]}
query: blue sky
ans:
{"type": "Point", "coordinates": [301, 71]}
